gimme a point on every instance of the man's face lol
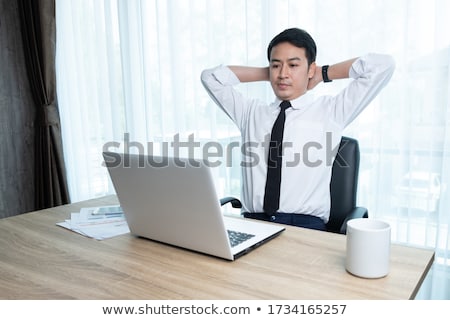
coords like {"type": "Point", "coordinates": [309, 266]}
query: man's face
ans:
{"type": "Point", "coordinates": [289, 72]}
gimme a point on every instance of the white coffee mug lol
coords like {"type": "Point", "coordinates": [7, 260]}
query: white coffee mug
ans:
{"type": "Point", "coordinates": [368, 248]}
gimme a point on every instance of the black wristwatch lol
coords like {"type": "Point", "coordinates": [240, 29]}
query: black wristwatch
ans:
{"type": "Point", "coordinates": [325, 74]}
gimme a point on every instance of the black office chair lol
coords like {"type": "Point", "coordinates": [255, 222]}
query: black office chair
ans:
{"type": "Point", "coordinates": [343, 188]}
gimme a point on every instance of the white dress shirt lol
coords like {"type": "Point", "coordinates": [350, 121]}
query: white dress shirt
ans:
{"type": "Point", "coordinates": [312, 133]}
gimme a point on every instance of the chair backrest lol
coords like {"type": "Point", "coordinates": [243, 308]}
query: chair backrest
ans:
{"type": "Point", "coordinates": [344, 182]}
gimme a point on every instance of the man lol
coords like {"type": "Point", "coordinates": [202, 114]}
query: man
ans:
{"type": "Point", "coordinates": [310, 129]}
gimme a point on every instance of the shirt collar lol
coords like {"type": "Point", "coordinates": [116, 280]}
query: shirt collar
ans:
{"type": "Point", "coordinates": [302, 101]}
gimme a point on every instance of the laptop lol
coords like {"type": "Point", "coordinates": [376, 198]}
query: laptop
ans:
{"type": "Point", "coordinates": [174, 201]}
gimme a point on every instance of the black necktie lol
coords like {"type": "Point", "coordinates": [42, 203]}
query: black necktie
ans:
{"type": "Point", "coordinates": [273, 181]}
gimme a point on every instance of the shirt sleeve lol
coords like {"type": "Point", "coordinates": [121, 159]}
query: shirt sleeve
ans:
{"type": "Point", "coordinates": [219, 82]}
{"type": "Point", "coordinates": [371, 73]}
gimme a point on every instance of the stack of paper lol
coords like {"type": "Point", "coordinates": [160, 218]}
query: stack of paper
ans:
{"type": "Point", "coordinates": [97, 222]}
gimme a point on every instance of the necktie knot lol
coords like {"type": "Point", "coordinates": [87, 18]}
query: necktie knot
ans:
{"type": "Point", "coordinates": [284, 105]}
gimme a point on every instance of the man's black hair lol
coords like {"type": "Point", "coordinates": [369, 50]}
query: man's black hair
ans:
{"type": "Point", "coordinates": [297, 37]}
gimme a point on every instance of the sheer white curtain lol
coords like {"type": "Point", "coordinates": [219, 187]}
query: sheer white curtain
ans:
{"type": "Point", "coordinates": [128, 75]}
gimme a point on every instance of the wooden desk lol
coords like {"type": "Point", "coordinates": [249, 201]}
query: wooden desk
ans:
{"type": "Point", "coordinates": [39, 260]}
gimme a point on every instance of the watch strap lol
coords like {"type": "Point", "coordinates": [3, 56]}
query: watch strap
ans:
{"type": "Point", "coordinates": [325, 74]}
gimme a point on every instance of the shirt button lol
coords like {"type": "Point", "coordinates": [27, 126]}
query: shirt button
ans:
{"type": "Point", "coordinates": [273, 218]}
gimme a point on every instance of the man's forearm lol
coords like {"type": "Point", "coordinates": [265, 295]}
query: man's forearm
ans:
{"type": "Point", "coordinates": [250, 74]}
{"type": "Point", "coordinates": [340, 70]}
{"type": "Point", "coordinates": [336, 71]}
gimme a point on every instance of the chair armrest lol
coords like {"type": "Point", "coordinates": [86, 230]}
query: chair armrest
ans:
{"type": "Point", "coordinates": [357, 212]}
{"type": "Point", "coordinates": [235, 203]}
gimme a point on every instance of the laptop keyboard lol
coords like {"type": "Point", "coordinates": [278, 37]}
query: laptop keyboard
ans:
{"type": "Point", "coordinates": [238, 237]}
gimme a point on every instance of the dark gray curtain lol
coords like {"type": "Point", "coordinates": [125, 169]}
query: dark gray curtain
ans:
{"type": "Point", "coordinates": [38, 28]}
{"type": "Point", "coordinates": [17, 118]}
